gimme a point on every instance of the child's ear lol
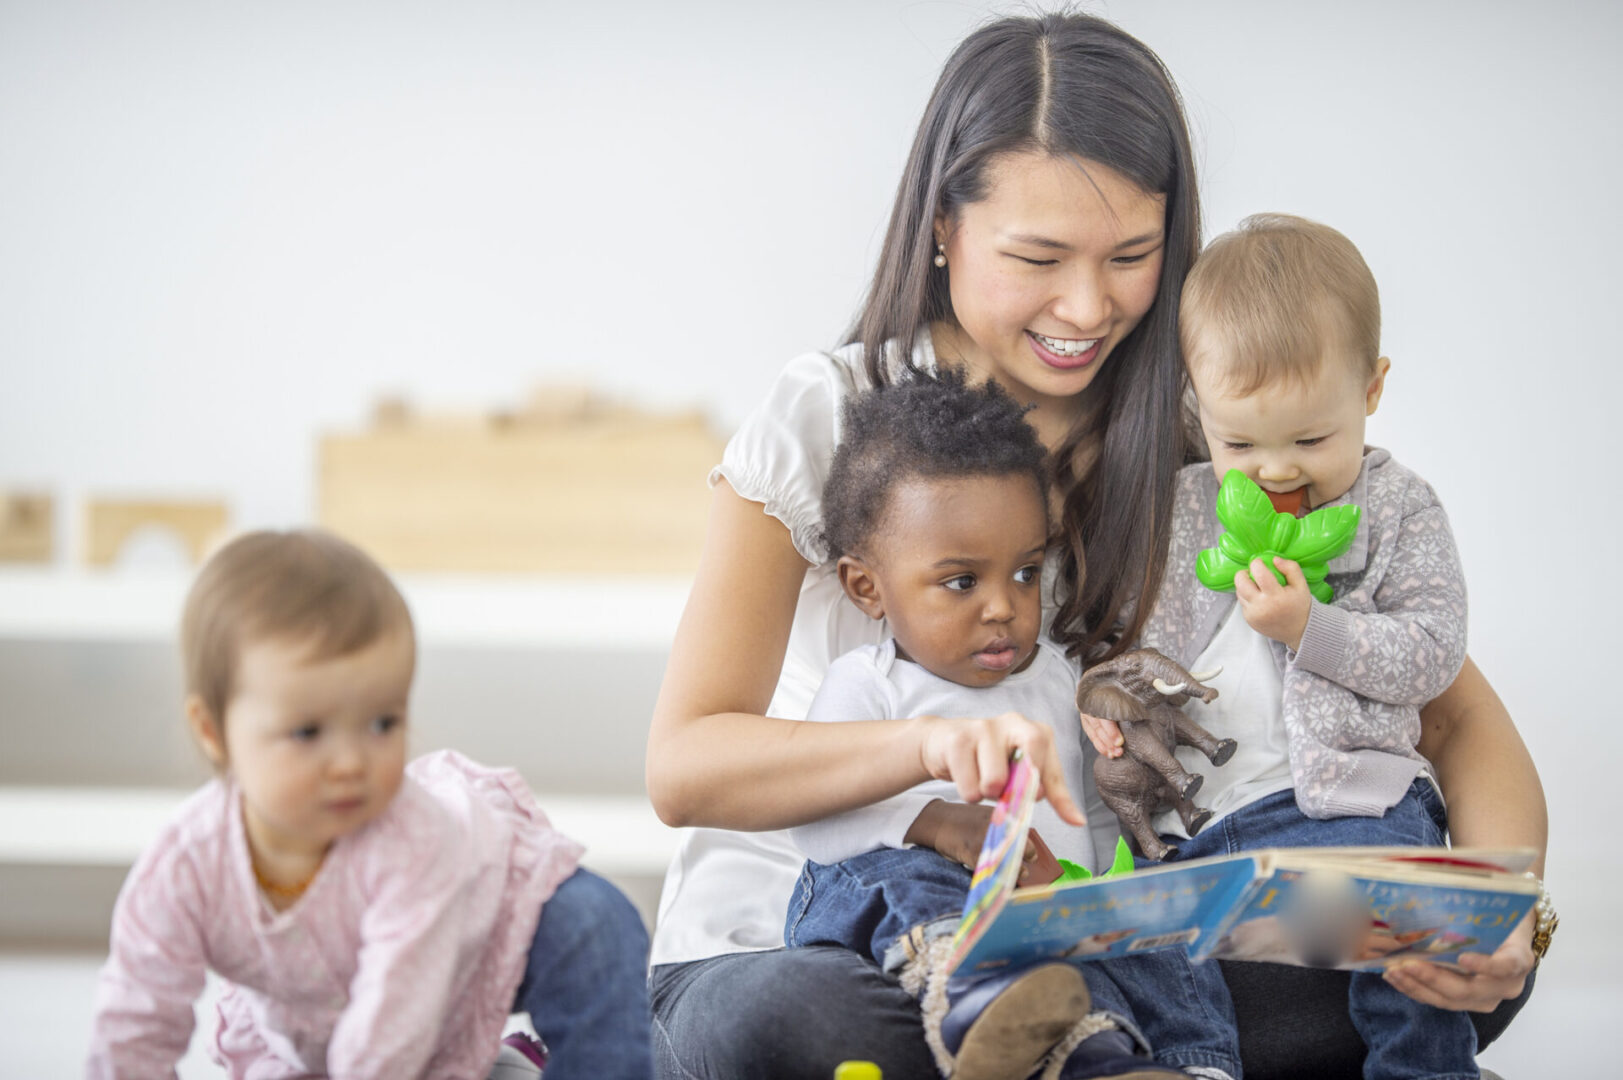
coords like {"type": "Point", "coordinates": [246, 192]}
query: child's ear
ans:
{"type": "Point", "coordinates": [858, 580]}
{"type": "Point", "coordinates": [1372, 396]}
{"type": "Point", "coordinates": [206, 729]}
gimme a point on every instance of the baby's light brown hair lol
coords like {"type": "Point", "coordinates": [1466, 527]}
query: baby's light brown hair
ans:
{"type": "Point", "coordinates": [1269, 299]}
{"type": "Point", "coordinates": [300, 586]}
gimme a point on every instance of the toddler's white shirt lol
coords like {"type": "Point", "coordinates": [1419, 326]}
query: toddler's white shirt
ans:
{"type": "Point", "coordinates": [872, 683]}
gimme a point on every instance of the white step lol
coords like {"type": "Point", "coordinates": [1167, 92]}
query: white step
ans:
{"type": "Point", "coordinates": [108, 827]}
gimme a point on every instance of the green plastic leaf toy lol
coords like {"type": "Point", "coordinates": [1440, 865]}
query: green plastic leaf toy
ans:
{"type": "Point", "coordinates": [1255, 530]}
{"type": "Point", "coordinates": [1122, 864]}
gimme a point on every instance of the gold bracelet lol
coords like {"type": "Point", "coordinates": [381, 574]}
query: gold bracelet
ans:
{"type": "Point", "coordinates": [1545, 920]}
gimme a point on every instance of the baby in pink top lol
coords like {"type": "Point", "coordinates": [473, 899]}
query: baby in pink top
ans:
{"type": "Point", "coordinates": [372, 918]}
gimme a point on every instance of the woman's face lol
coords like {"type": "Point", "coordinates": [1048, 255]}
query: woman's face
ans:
{"type": "Point", "coordinates": [1049, 272]}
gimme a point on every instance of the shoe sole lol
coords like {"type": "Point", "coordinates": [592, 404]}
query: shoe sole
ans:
{"type": "Point", "coordinates": [1013, 1034]}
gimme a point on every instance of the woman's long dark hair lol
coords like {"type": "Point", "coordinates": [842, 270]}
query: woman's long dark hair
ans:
{"type": "Point", "coordinates": [1071, 86]}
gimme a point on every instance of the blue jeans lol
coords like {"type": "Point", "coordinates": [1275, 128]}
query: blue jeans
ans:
{"type": "Point", "coordinates": [868, 903]}
{"type": "Point", "coordinates": [585, 984]}
{"type": "Point", "coordinates": [794, 1014]}
{"type": "Point", "coordinates": [1405, 1039]}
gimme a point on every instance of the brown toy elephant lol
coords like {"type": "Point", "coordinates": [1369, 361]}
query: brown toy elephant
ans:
{"type": "Point", "coordinates": [1143, 691]}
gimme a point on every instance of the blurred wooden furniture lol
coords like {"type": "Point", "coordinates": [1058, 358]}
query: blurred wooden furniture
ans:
{"type": "Point", "coordinates": [567, 485]}
{"type": "Point", "coordinates": [110, 522]}
{"type": "Point", "coordinates": [27, 533]}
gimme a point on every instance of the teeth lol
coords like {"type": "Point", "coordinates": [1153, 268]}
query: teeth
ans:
{"type": "Point", "coordinates": [1063, 347]}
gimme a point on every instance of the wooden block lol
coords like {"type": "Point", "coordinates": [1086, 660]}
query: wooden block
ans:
{"type": "Point", "coordinates": [612, 492]}
{"type": "Point", "coordinates": [111, 522]}
{"type": "Point", "coordinates": [27, 527]}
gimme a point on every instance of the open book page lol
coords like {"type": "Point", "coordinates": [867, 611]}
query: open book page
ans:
{"type": "Point", "coordinates": [1358, 911]}
{"type": "Point", "coordinates": [1419, 864]}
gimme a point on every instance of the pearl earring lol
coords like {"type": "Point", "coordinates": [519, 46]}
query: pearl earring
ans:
{"type": "Point", "coordinates": [940, 255]}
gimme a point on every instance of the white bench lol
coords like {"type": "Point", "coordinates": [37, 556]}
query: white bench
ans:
{"type": "Point", "coordinates": [108, 827]}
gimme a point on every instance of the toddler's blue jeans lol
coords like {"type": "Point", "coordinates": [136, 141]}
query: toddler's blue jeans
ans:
{"type": "Point", "coordinates": [585, 986]}
{"type": "Point", "coordinates": [869, 903]}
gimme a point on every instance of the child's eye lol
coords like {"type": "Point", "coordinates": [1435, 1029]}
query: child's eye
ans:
{"type": "Point", "coordinates": [1026, 575]}
{"type": "Point", "coordinates": [305, 732]}
{"type": "Point", "coordinates": [1236, 445]}
{"type": "Point", "coordinates": [961, 583]}
{"type": "Point", "coordinates": [385, 724]}
{"type": "Point", "coordinates": [1316, 440]}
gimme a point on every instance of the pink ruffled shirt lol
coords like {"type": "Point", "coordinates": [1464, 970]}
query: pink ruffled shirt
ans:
{"type": "Point", "coordinates": [400, 960]}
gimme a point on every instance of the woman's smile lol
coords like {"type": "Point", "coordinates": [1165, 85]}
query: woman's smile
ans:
{"type": "Point", "coordinates": [1049, 272]}
{"type": "Point", "coordinates": [1066, 354]}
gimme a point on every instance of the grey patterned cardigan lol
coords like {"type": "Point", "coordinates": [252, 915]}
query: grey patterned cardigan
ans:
{"type": "Point", "coordinates": [1392, 639]}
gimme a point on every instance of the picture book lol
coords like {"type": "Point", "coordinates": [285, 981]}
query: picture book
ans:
{"type": "Point", "coordinates": [1357, 909]}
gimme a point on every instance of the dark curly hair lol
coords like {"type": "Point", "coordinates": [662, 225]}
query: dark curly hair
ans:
{"type": "Point", "coordinates": [924, 425]}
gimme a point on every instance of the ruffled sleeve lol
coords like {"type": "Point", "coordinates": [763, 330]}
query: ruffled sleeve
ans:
{"type": "Point", "coordinates": [780, 455]}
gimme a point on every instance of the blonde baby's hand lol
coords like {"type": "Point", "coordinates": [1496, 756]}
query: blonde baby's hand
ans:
{"type": "Point", "coordinates": [1273, 610]}
{"type": "Point", "coordinates": [1104, 735]}
{"type": "Point", "coordinates": [974, 754]}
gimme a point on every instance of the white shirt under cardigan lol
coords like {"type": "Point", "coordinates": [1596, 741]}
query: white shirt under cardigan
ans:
{"type": "Point", "coordinates": [726, 891]}
{"type": "Point", "coordinates": [1248, 710]}
{"type": "Point", "coordinates": [872, 682]}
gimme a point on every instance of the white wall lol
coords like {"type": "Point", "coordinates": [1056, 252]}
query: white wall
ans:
{"type": "Point", "coordinates": [224, 227]}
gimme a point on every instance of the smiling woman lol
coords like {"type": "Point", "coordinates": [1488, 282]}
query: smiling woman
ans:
{"type": "Point", "coordinates": [1043, 228]}
{"type": "Point", "coordinates": [1047, 275]}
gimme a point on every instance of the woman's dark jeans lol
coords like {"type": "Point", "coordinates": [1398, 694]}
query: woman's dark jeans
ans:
{"type": "Point", "coordinates": [796, 1013]}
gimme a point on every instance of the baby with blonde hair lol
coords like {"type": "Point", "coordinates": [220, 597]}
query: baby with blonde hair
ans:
{"type": "Point", "coordinates": [1280, 329]}
{"type": "Point", "coordinates": [371, 917]}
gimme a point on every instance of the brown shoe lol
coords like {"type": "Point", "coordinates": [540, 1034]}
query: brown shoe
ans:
{"type": "Point", "coordinates": [1001, 1028]}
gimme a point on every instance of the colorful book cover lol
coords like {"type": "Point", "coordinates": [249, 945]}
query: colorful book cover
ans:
{"type": "Point", "coordinates": [1348, 908]}
{"type": "Point", "coordinates": [998, 867]}
{"type": "Point", "coordinates": [1174, 906]}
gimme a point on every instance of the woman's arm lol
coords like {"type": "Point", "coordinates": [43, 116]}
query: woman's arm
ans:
{"type": "Point", "coordinates": [1492, 789]}
{"type": "Point", "coordinates": [714, 759]}
{"type": "Point", "coordinates": [1494, 800]}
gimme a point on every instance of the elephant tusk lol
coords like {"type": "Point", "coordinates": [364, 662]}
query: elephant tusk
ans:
{"type": "Point", "coordinates": [1206, 676]}
{"type": "Point", "coordinates": [1165, 689]}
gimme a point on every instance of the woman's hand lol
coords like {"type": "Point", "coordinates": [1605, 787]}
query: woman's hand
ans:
{"type": "Point", "coordinates": [1491, 979]}
{"type": "Point", "coordinates": [974, 755]}
{"type": "Point", "coordinates": [1104, 735]}
{"type": "Point", "coordinates": [1494, 800]}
